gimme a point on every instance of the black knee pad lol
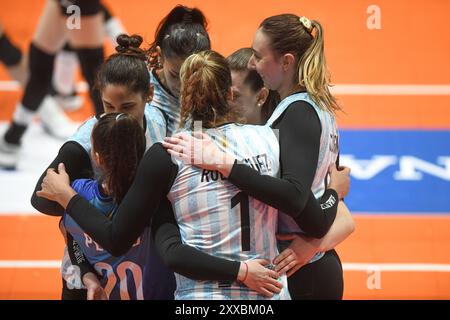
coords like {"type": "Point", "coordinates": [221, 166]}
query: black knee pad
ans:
{"type": "Point", "coordinates": [40, 79]}
{"type": "Point", "coordinates": [90, 62]}
{"type": "Point", "coordinates": [10, 55]}
{"type": "Point", "coordinates": [87, 7]}
{"type": "Point", "coordinates": [106, 13]}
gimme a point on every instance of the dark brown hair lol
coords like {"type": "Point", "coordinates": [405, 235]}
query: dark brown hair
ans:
{"type": "Point", "coordinates": [119, 140]}
{"type": "Point", "coordinates": [181, 33]}
{"type": "Point", "coordinates": [127, 67]}
{"type": "Point", "coordinates": [238, 61]}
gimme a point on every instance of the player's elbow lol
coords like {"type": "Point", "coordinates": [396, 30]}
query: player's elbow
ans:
{"type": "Point", "coordinates": [34, 201]}
{"type": "Point", "coordinates": [46, 206]}
{"type": "Point", "coordinates": [314, 228]}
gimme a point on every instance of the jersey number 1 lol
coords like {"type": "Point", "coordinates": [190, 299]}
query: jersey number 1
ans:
{"type": "Point", "coordinates": [242, 199]}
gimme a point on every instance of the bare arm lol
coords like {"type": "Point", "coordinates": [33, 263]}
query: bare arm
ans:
{"type": "Point", "coordinates": [302, 248]}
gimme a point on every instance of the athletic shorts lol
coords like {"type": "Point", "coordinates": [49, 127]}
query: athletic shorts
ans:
{"type": "Point", "coordinates": [87, 7]}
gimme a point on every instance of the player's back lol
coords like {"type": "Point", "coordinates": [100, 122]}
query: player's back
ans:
{"type": "Point", "coordinates": [216, 217]}
{"type": "Point", "coordinates": [139, 273]}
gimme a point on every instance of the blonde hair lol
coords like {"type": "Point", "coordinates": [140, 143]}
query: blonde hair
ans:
{"type": "Point", "coordinates": [304, 38]}
{"type": "Point", "coordinates": [205, 84]}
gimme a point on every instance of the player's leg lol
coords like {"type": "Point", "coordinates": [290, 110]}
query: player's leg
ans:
{"type": "Point", "coordinates": [49, 37]}
{"type": "Point", "coordinates": [321, 280]}
{"type": "Point", "coordinates": [88, 44]}
{"type": "Point", "coordinates": [113, 27]}
{"type": "Point", "coordinates": [13, 58]}
{"type": "Point", "coordinates": [64, 77]}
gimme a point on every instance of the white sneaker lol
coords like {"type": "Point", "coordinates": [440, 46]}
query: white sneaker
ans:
{"type": "Point", "coordinates": [54, 120]}
{"type": "Point", "coordinates": [9, 154]}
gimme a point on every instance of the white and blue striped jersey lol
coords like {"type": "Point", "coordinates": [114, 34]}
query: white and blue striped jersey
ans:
{"type": "Point", "coordinates": [328, 152]}
{"type": "Point", "coordinates": [139, 274]}
{"type": "Point", "coordinates": [154, 125]}
{"type": "Point", "coordinates": [166, 102]}
{"type": "Point", "coordinates": [215, 217]}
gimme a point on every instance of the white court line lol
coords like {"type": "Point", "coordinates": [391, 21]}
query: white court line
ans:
{"type": "Point", "coordinates": [393, 267]}
{"type": "Point", "coordinates": [11, 85]}
{"type": "Point", "coordinates": [30, 264]}
{"type": "Point", "coordinates": [391, 89]}
{"type": "Point", "coordinates": [338, 89]}
{"type": "Point", "coordinates": [385, 267]}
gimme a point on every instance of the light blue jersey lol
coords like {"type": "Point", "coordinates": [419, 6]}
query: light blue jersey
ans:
{"type": "Point", "coordinates": [328, 152]}
{"type": "Point", "coordinates": [166, 102]}
{"type": "Point", "coordinates": [139, 274]}
{"type": "Point", "coordinates": [154, 126]}
{"type": "Point", "coordinates": [215, 217]}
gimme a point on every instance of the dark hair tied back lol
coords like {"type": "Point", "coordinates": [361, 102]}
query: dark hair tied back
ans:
{"type": "Point", "coordinates": [187, 17]}
{"type": "Point", "coordinates": [130, 45]}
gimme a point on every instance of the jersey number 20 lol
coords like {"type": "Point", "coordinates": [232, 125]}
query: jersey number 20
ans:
{"type": "Point", "coordinates": [122, 273]}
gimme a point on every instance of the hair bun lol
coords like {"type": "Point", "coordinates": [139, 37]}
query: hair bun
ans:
{"type": "Point", "coordinates": [136, 41]}
{"type": "Point", "coordinates": [130, 45]}
{"type": "Point", "coordinates": [126, 42]}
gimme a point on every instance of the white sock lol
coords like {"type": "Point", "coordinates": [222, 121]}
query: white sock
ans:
{"type": "Point", "coordinates": [66, 64]}
{"type": "Point", "coordinates": [23, 116]}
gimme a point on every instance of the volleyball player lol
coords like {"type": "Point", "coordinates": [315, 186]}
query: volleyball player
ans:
{"type": "Point", "coordinates": [157, 175]}
{"type": "Point", "coordinates": [181, 33]}
{"type": "Point", "coordinates": [288, 53]}
{"type": "Point", "coordinates": [124, 83]}
{"type": "Point", "coordinates": [118, 143]}
{"type": "Point", "coordinates": [50, 36]}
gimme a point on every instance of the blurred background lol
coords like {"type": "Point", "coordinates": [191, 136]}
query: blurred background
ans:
{"type": "Point", "coordinates": [390, 66]}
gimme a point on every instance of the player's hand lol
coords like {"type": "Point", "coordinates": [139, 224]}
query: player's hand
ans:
{"type": "Point", "coordinates": [339, 180]}
{"type": "Point", "coordinates": [301, 250]}
{"type": "Point", "coordinates": [96, 293]}
{"type": "Point", "coordinates": [199, 150]}
{"type": "Point", "coordinates": [94, 289]}
{"type": "Point", "coordinates": [259, 278]}
{"type": "Point", "coordinates": [56, 186]}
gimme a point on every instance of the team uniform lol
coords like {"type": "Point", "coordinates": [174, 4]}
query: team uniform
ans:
{"type": "Point", "coordinates": [87, 7]}
{"type": "Point", "coordinates": [155, 131]}
{"type": "Point", "coordinates": [328, 153]}
{"type": "Point", "coordinates": [216, 218]}
{"type": "Point", "coordinates": [154, 127]}
{"type": "Point", "coordinates": [166, 102]}
{"type": "Point", "coordinates": [137, 275]}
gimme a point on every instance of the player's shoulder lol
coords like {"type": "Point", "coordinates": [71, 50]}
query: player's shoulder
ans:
{"type": "Point", "coordinates": [84, 130]}
{"type": "Point", "coordinates": [88, 123]}
{"type": "Point", "coordinates": [252, 130]}
{"type": "Point", "coordinates": [154, 114]}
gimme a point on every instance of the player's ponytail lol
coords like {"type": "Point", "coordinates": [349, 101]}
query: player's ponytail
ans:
{"type": "Point", "coordinates": [289, 33]}
{"type": "Point", "coordinates": [119, 140]}
{"type": "Point", "coordinates": [127, 67]}
{"type": "Point", "coordinates": [181, 33]}
{"type": "Point", "coordinates": [205, 87]}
